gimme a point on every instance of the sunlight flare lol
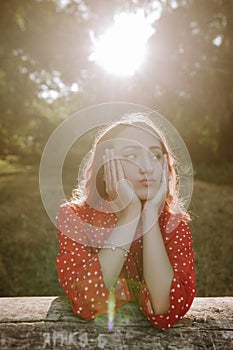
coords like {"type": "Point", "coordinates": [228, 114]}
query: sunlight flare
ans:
{"type": "Point", "coordinates": [122, 48]}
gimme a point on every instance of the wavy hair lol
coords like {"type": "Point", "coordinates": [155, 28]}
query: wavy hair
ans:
{"type": "Point", "coordinates": [90, 176]}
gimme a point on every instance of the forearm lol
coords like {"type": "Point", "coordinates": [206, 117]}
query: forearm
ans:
{"type": "Point", "coordinates": [157, 270]}
{"type": "Point", "coordinates": [112, 260]}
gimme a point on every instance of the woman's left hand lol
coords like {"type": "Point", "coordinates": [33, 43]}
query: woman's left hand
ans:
{"type": "Point", "coordinates": [156, 203]}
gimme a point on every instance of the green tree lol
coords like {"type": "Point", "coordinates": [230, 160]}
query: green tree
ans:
{"type": "Point", "coordinates": [46, 75]}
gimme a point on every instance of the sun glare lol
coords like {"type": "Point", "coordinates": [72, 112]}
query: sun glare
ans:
{"type": "Point", "coordinates": [122, 48]}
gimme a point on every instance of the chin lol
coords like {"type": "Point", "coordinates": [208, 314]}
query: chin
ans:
{"type": "Point", "coordinates": [146, 196]}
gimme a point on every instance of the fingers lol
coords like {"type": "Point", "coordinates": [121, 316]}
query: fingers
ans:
{"type": "Point", "coordinates": [107, 171]}
{"type": "Point", "coordinates": [113, 169]}
{"type": "Point", "coordinates": [164, 178]}
{"type": "Point", "coordinates": [119, 169]}
{"type": "Point", "coordinates": [165, 172]}
{"type": "Point", "coordinates": [110, 172]}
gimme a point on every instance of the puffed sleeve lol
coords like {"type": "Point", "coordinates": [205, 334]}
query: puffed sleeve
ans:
{"type": "Point", "coordinates": [178, 244]}
{"type": "Point", "coordinates": [79, 269]}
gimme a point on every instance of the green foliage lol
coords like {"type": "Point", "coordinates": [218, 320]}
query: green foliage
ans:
{"type": "Point", "coordinates": [29, 243]}
{"type": "Point", "coordinates": [187, 76]}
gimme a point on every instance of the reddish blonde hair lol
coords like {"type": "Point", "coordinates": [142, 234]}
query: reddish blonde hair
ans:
{"type": "Point", "coordinates": [87, 179]}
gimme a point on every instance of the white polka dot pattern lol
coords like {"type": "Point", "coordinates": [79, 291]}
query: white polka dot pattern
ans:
{"type": "Point", "coordinates": [82, 232]}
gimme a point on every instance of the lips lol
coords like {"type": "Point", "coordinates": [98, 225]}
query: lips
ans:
{"type": "Point", "coordinates": [147, 182]}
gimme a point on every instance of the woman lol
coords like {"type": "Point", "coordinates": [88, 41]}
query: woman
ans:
{"type": "Point", "coordinates": [124, 234]}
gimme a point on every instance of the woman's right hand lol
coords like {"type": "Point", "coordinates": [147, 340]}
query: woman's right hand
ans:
{"type": "Point", "coordinates": [119, 190]}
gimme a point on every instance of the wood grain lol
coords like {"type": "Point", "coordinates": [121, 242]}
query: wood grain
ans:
{"type": "Point", "coordinates": [49, 323]}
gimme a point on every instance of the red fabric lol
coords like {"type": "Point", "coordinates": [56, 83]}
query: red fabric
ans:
{"type": "Point", "coordinates": [81, 233]}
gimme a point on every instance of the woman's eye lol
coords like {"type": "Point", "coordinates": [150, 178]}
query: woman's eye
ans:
{"type": "Point", "coordinates": [156, 156]}
{"type": "Point", "coordinates": [130, 156]}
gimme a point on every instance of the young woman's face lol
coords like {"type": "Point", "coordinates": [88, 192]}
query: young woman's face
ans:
{"type": "Point", "coordinates": [142, 159]}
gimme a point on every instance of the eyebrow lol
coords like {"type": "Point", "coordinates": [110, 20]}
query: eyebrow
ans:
{"type": "Point", "coordinates": [138, 147]}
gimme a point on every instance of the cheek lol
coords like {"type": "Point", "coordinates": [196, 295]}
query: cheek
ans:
{"type": "Point", "coordinates": [158, 168]}
{"type": "Point", "coordinates": [128, 168]}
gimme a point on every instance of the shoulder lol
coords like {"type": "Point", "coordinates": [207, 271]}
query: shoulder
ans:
{"type": "Point", "coordinates": [69, 213]}
{"type": "Point", "coordinates": [174, 225]}
{"type": "Point", "coordinates": [68, 210]}
{"type": "Point", "coordinates": [83, 214]}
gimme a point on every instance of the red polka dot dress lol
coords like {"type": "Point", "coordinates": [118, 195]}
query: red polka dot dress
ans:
{"type": "Point", "coordinates": [83, 231]}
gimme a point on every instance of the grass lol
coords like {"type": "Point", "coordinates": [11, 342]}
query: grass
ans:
{"type": "Point", "coordinates": [29, 243]}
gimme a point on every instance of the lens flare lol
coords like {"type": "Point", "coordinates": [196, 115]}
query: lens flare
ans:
{"type": "Point", "coordinates": [111, 309]}
{"type": "Point", "coordinates": [122, 48]}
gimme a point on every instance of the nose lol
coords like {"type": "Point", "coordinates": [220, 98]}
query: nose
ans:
{"type": "Point", "coordinates": [145, 166]}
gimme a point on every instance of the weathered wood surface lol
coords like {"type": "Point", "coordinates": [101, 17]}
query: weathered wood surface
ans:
{"type": "Point", "coordinates": [49, 323]}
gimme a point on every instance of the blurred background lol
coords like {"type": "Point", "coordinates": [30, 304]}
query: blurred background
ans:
{"type": "Point", "coordinates": [60, 56]}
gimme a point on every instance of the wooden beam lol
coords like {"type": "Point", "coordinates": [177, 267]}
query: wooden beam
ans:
{"type": "Point", "coordinates": [49, 323]}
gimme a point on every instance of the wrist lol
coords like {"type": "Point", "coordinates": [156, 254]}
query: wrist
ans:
{"type": "Point", "coordinates": [149, 212]}
{"type": "Point", "coordinates": [149, 218]}
{"type": "Point", "coordinates": [131, 212]}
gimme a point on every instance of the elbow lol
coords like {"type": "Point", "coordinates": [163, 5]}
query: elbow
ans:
{"type": "Point", "coordinates": [160, 305]}
{"type": "Point", "coordinates": [83, 312]}
{"type": "Point", "coordinates": [161, 302]}
{"type": "Point", "coordinates": [161, 309]}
